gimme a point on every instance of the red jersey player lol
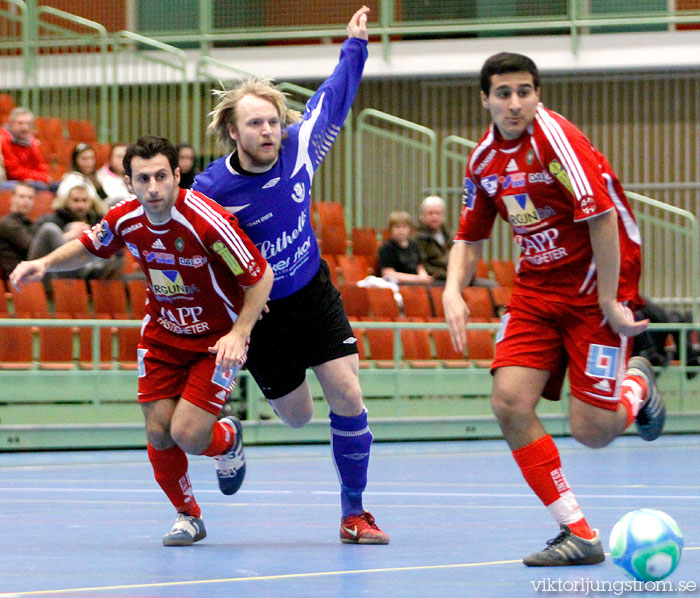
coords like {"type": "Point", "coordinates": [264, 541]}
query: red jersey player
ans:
{"type": "Point", "coordinates": [577, 279]}
{"type": "Point", "coordinates": [207, 285]}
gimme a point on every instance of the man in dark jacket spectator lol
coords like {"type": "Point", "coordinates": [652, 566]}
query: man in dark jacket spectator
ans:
{"type": "Point", "coordinates": [16, 230]}
{"type": "Point", "coordinates": [433, 239]}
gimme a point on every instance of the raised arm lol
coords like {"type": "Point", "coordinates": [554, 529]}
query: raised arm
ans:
{"type": "Point", "coordinates": [357, 27]}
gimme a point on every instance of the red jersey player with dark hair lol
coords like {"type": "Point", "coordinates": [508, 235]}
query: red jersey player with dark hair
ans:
{"type": "Point", "coordinates": [207, 285]}
{"type": "Point", "coordinates": [578, 276]}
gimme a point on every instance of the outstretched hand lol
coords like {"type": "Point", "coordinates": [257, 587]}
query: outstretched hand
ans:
{"type": "Point", "coordinates": [231, 350]}
{"type": "Point", "coordinates": [621, 319]}
{"type": "Point", "coordinates": [27, 272]}
{"type": "Point", "coordinates": [357, 27]}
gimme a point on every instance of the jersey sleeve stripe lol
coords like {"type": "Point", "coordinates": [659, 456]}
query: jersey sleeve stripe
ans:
{"type": "Point", "coordinates": [563, 148]}
{"type": "Point", "coordinates": [564, 151]}
{"type": "Point", "coordinates": [128, 216]}
{"type": "Point", "coordinates": [222, 225]}
{"type": "Point", "coordinates": [628, 222]}
{"type": "Point", "coordinates": [480, 149]}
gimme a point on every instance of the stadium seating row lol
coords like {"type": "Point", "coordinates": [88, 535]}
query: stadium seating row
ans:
{"type": "Point", "coordinates": [74, 298]}
{"type": "Point", "coordinates": [118, 299]}
{"type": "Point", "coordinates": [420, 301]}
{"type": "Point", "coordinates": [357, 265]}
{"type": "Point", "coordinates": [70, 346]}
{"type": "Point", "coordinates": [328, 220]}
{"type": "Point", "coordinates": [422, 348]}
{"type": "Point", "coordinates": [59, 137]}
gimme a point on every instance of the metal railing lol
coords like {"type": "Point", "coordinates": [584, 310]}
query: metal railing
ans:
{"type": "Point", "coordinates": [149, 89]}
{"type": "Point", "coordinates": [46, 408]}
{"type": "Point", "coordinates": [408, 155]}
{"type": "Point", "coordinates": [424, 20]}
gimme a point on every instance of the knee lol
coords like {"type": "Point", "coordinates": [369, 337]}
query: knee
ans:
{"type": "Point", "coordinates": [300, 416]}
{"type": "Point", "coordinates": [588, 435]}
{"type": "Point", "coordinates": [347, 401]}
{"type": "Point", "coordinates": [189, 439]}
{"type": "Point", "coordinates": [158, 435]}
{"type": "Point", "coordinates": [506, 407]}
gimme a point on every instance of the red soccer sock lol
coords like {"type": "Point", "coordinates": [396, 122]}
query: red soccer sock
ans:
{"type": "Point", "coordinates": [540, 465]}
{"type": "Point", "coordinates": [170, 470]}
{"type": "Point", "coordinates": [222, 440]}
{"type": "Point", "coordinates": [632, 392]}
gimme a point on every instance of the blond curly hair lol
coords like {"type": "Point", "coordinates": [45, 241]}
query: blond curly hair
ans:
{"type": "Point", "coordinates": [224, 114]}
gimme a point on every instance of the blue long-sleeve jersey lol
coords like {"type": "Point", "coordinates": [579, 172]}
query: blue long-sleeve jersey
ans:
{"type": "Point", "coordinates": [273, 208]}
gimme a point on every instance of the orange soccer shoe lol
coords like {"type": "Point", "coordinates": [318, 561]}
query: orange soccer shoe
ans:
{"type": "Point", "coordinates": [361, 529]}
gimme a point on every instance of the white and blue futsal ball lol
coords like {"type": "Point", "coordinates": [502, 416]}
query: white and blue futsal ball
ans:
{"type": "Point", "coordinates": [647, 544]}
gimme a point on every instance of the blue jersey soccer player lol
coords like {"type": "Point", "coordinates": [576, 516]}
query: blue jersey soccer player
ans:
{"type": "Point", "coordinates": [266, 181]}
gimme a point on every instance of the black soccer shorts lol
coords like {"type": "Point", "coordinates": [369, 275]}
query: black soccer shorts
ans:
{"type": "Point", "coordinates": [305, 329]}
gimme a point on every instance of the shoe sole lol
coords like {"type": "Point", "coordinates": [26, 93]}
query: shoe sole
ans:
{"type": "Point", "coordinates": [200, 536]}
{"type": "Point", "coordinates": [592, 560]}
{"type": "Point", "coordinates": [365, 541]}
{"type": "Point", "coordinates": [645, 431]}
{"type": "Point", "coordinates": [240, 476]}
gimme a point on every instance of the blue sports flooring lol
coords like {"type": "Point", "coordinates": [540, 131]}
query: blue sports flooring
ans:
{"type": "Point", "coordinates": [89, 524]}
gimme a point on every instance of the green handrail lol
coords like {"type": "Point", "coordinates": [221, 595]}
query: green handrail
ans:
{"type": "Point", "coordinates": [178, 62]}
{"type": "Point", "coordinates": [27, 65]}
{"type": "Point", "coordinates": [574, 19]}
{"type": "Point", "coordinates": [429, 147]}
{"type": "Point", "coordinates": [690, 232]}
{"type": "Point", "coordinates": [461, 157]}
{"type": "Point", "coordinates": [200, 73]}
{"type": "Point", "coordinates": [101, 40]}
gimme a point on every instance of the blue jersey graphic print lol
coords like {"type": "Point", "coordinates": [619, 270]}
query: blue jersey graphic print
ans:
{"type": "Point", "coordinates": [273, 208]}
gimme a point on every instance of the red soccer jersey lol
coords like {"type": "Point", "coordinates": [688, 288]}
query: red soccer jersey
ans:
{"type": "Point", "coordinates": [196, 265]}
{"type": "Point", "coordinates": [547, 183]}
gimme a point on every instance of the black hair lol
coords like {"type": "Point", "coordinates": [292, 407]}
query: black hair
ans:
{"type": "Point", "coordinates": [148, 147]}
{"type": "Point", "coordinates": [183, 145]}
{"type": "Point", "coordinates": [507, 62]}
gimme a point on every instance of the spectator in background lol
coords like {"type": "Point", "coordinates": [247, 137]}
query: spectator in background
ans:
{"type": "Point", "coordinates": [3, 176]}
{"type": "Point", "coordinates": [185, 158]}
{"type": "Point", "coordinates": [399, 256]}
{"type": "Point", "coordinates": [21, 153]}
{"type": "Point", "coordinates": [433, 240]}
{"type": "Point", "coordinates": [83, 173]}
{"type": "Point", "coordinates": [73, 214]}
{"type": "Point", "coordinates": [16, 230]}
{"type": "Point", "coordinates": [111, 176]}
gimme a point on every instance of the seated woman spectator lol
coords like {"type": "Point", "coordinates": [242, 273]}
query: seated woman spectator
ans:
{"type": "Point", "coordinates": [185, 155]}
{"type": "Point", "coordinates": [399, 256]}
{"type": "Point", "coordinates": [111, 176]}
{"type": "Point", "coordinates": [73, 213]}
{"type": "Point", "coordinates": [83, 173]}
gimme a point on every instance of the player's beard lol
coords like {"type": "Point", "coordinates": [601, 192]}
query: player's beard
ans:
{"type": "Point", "coordinates": [260, 158]}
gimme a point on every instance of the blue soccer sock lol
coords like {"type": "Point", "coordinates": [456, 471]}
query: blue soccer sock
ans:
{"type": "Point", "coordinates": [350, 442]}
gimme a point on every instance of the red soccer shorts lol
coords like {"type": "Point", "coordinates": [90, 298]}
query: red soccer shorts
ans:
{"type": "Point", "coordinates": [169, 372]}
{"type": "Point", "coordinates": [550, 335]}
